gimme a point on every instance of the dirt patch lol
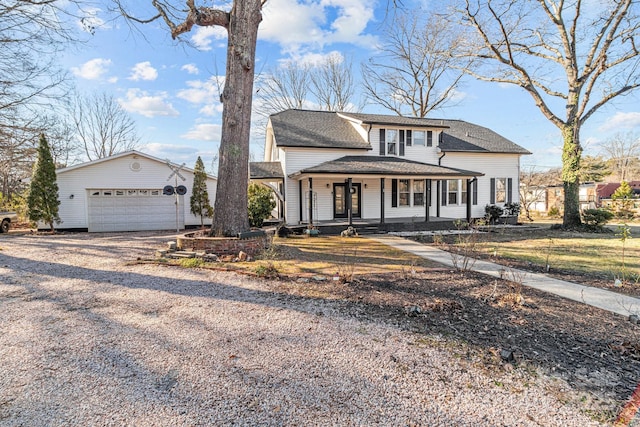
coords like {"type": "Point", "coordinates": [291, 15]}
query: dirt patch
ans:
{"type": "Point", "coordinates": [595, 351]}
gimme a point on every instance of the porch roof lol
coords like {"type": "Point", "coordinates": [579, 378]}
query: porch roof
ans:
{"type": "Point", "coordinates": [381, 165]}
{"type": "Point", "coordinates": [265, 170]}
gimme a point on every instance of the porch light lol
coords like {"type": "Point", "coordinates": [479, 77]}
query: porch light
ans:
{"type": "Point", "coordinates": [328, 185]}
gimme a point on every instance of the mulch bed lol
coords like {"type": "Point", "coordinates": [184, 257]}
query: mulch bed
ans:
{"type": "Point", "coordinates": [595, 351]}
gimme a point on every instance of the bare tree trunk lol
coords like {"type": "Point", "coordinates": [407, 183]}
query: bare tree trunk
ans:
{"type": "Point", "coordinates": [571, 154]}
{"type": "Point", "coordinates": [230, 215]}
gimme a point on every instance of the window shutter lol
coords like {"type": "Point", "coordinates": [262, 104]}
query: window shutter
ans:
{"type": "Point", "coordinates": [394, 193]}
{"type": "Point", "coordinates": [382, 143]}
{"type": "Point", "coordinates": [444, 192]}
{"type": "Point", "coordinates": [401, 143]}
{"type": "Point", "coordinates": [492, 200]}
{"type": "Point", "coordinates": [429, 138]}
{"type": "Point", "coordinates": [475, 192]}
{"type": "Point", "coordinates": [409, 141]}
{"type": "Point", "coordinates": [509, 189]}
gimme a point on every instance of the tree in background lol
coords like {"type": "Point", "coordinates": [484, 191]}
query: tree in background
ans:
{"type": "Point", "coordinates": [42, 200]}
{"type": "Point", "coordinates": [593, 169]}
{"type": "Point", "coordinates": [260, 203]}
{"type": "Point", "coordinates": [572, 58]}
{"type": "Point", "coordinates": [414, 73]}
{"type": "Point", "coordinates": [241, 22]}
{"type": "Point", "coordinates": [200, 205]}
{"type": "Point", "coordinates": [623, 200]}
{"type": "Point", "coordinates": [101, 126]}
{"type": "Point", "coordinates": [326, 85]}
{"type": "Point", "coordinates": [533, 189]}
{"type": "Point", "coordinates": [623, 151]}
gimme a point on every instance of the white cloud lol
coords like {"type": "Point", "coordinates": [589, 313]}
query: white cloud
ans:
{"type": "Point", "coordinates": [143, 71]}
{"type": "Point", "coordinates": [93, 69]}
{"type": "Point", "coordinates": [167, 150]}
{"type": "Point", "coordinates": [204, 36]}
{"type": "Point", "coordinates": [211, 110]}
{"type": "Point", "coordinates": [621, 120]}
{"type": "Point", "coordinates": [205, 93]}
{"type": "Point", "coordinates": [204, 132]}
{"type": "Point", "coordinates": [190, 68]}
{"type": "Point", "coordinates": [317, 22]}
{"type": "Point", "coordinates": [140, 102]}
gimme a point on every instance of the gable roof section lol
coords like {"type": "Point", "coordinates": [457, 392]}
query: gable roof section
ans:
{"type": "Point", "coordinates": [385, 166]}
{"type": "Point", "coordinates": [265, 170]}
{"type": "Point", "coordinates": [468, 137]}
{"type": "Point", "coordinates": [315, 129]}
{"type": "Point", "coordinates": [324, 129]}
{"type": "Point", "coordinates": [119, 155]}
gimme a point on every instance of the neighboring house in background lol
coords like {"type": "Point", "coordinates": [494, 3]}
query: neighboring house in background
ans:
{"type": "Point", "coordinates": [592, 195]}
{"type": "Point", "coordinates": [124, 192]}
{"type": "Point", "coordinates": [340, 167]}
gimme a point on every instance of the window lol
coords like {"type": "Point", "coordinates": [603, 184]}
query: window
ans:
{"type": "Point", "coordinates": [392, 141]}
{"type": "Point", "coordinates": [418, 192]}
{"type": "Point", "coordinates": [418, 137]}
{"type": "Point", "coordinates": [404, 193]}
{"type": "Point", "coordinates": [429, 138]}
{"type": "Point", "coordinates": [452, 198]}
{"type": "Point", "coordinates": [501, 190]}
{"type": "Point", "coordinates": [463, 192]}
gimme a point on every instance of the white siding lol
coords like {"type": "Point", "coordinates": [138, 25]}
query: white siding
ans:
{"type": "Point", "coordinates": [422, 154]}
{"type": "Point", "coordinates": [118, 173]}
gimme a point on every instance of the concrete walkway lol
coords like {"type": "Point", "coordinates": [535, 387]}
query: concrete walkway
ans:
{"type": "Point", "coordinates": [606, 300]}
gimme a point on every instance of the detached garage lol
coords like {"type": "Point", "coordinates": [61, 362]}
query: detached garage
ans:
{"type": "Point", "coordinates": [124, 192]}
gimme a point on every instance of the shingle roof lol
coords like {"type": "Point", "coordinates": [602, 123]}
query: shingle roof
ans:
{"type": "Point", "coordinates": [320, 129]}
{"type": "Point", "coordinates": [262, 170]}
{"type": "Point", "coordinates": [465, 136]}
{"type": "Point", "coordinates": [377, 165]}
{"type": "Point", "coordinates": [323, 129]}
{"type": "Point", "coordinates": [386, 119]}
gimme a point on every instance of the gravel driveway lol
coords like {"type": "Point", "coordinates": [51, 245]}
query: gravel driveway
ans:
{"type": "Point", "coordinates": [88, 339]}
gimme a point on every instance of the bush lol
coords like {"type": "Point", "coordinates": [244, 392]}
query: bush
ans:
{"type": "Point", "coordinates": [554, 212]}
{"type": "Point", "coordinates": [596, 218]}
{"type": "Point", "coordinates": [512, 209]}
{"type": "Point", "coordinates": [492, 213]}
{"type": "Point", "coordinates": [260, 204]}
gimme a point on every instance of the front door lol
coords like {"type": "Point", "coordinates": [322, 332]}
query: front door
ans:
{"type": "Point", "coordinates": [340, 191]}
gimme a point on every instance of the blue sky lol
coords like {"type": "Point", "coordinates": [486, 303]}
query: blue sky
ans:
{"type": "Point", "coordinates": [171, 89]}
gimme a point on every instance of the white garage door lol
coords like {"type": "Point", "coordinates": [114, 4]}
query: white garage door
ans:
{"type": "Point", "coordinates": [133, 210]}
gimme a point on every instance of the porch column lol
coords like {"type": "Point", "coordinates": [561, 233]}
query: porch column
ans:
{"type": "Point", "coordinates": [438, 185]}
{"type": "Point", "coordinates": [300, 201]}
{"type": "Point", "coordinates": [427, 201]}
{"type": "Point", "coordinates": [310, 201]}
{"type": "Point", "coordinates": [469, 194]}
{"type": "Point", "coordinates": [381, 200]}
{"type": "Point", "coordinates": [349, 201]}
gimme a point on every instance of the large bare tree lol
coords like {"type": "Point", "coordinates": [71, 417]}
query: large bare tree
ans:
{"type": "Point", "coordinates": [101, 126]}
{"type": "Point", "coordinates": [327, 85]}
{"type": "Point", "coordinates": [571, 57]}
{"type": "Point", "coordinates": [414, 72]}
{"type": "Point", "coordinates": [241, 22]}
{"type": "Point", "coordinates": [623, 152]}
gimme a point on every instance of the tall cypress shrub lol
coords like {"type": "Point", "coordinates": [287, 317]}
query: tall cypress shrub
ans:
{"type": "Point", "coordinates": [42, 200]}
{"type": "Point", "coordinates": [200, 205]}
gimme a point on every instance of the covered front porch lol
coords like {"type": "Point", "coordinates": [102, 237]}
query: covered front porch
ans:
{"type": "Point", "coordinates": [383, 192]}
{"type": "Point", "coordinates": [374, 225]}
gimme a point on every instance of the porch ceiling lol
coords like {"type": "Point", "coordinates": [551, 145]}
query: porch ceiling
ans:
{"type": "Point", "coordinates": [378, 166]}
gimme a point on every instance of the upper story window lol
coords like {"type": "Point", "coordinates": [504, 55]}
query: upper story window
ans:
{"type": "Point", "coordinates": [392, 141]}
{"type": "Point", "coordinates": [418, 137]}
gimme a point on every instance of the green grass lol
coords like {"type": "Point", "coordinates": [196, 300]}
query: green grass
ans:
{"type": "Point", "coordinates": [594, 253]}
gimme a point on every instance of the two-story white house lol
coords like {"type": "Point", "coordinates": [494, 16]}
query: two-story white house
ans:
{"type": "Point", "coordinates": [333, 167]}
